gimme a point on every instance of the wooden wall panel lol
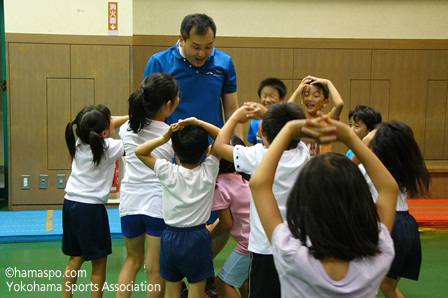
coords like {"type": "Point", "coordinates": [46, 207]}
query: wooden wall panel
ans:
{"type": "Point", "coordinates": [58, 107]}
{"type": "Point", "coordinates": [29, 67]}
{"type": "Point", "coordinates": [380, 97]}
{"type": "Point", "coordinates": [435, 120]}
{"type": "Point", "coordinates": [140, 57]}
{"type": "Point", "coordinates": [110, 67]}
{"type": "Point", "coordinates": [359, 94]}
{"type": "Point", "coordinates": [339, 66]}
{"type": "Point", "coordinates": [409, 71]}
{"type": "Point", "coordinates": [82, 93]}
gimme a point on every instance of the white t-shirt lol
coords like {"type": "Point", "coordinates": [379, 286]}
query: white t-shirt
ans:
{"type": "Point", "coordinates": [141, 191]}
{"type": "Point", "coordinates": [247, 160]}
{"type": "Point", "coordinates": [90, 184]}
{"type": "Point", "coordinates": [187, 194]}
{"type": "Point", "coordinates": [402, 202]}
{"type": "Point", "coordinates": [301, 275]}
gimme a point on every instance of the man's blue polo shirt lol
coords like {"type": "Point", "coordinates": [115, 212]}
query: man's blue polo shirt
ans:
{"type": "Point", "coordinates": [200, 88]}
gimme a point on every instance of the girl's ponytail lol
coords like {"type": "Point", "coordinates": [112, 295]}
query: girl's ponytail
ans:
{"type": "Point", "coordinates": [156, 90]}
{"type": "Point", "coordinates": [70, 139]}
{"type": "Point", "coordinates": [137, 115]}
{"type": "Point", "coordinates": [96, 142]}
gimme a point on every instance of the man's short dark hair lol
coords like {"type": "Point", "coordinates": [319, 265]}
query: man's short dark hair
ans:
{"type": "Point", "coordinates": [368, 115]}
{"type": "Point", "coordinates": [190, 143]}
{"type": "Point", "coordinates": [199, 22]}
{"type": "Point", "coordinates": [277, 116]}
{"type": "Point", "coordinates": [274, 83]}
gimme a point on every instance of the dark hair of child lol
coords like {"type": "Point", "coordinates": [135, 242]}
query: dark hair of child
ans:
{"type": "Point", "coordinates": [190, 144]}
{"type": "Point", "coordinates": [277, 116]}
{"type": "Point", "coordinates": [90, 123]}
{"type": "Point", "coordinates": [331, 206]}
{"type": "Point", "coordinates": [144, 103]}
{"type": "Point", "coordinates": [395, 146]}
{"type": "Point", "coordinates": [369, 116]}
{"type": "Point", "coordinates": [274, 83]}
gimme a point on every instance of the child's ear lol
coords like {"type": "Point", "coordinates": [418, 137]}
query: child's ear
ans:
{"type": "Point", "coordinates": [326, 101]}
{"type": "Point", "coordinates": [105, 133]}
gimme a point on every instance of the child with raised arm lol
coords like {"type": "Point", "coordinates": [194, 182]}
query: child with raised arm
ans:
{"type": "Point", "coordinates": [86, 232]}
{"type": "Point", "coordinates": [263, 277]}
{"type": "Point", "coordinates": [270, 91]}
{"type": "Point", "coordinates": [188, 189]}
{"type": "Point", "coordinates": [335, 243]}
{"type": "Point", "coordinates": [232, 200]}
{"type": "Point", "coordinates": [314, 94]}
{"type": "Point", "coordinates": [362, 119]}
{"type": "Point", "coordinates": [394, 144]}
{"type": "Point", "coordinates": [141, 192]}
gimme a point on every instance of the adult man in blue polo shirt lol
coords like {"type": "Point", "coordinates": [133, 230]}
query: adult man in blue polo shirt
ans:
{"type": "Point", "coordinates": [205, 74]}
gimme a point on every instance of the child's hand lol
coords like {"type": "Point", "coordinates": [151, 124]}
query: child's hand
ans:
{"type": "Point", "coordinates": [255, 110]}
{"type": "Point", "coordinates": [369, 137]}
{"type": "Point", "coordinates": [240, 115]}
{"type": "Point", "coordinates": [188, 122]}
{"type": "Point", "coordinates": [303, 84]}
{"type": "Point", "coordinates": [317, 130]}
{"type": "Point", "coordinates": [173, 127]}
{"type": "Point", "coordinates": [343, 131]}
{"type": "Point", "coordinates": [313, 80]}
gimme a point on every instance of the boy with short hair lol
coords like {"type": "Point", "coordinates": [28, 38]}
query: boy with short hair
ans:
{"type": "Point", "coordinates": [263, 277]}
{"type": "Point", "coordinates": [315, 93]}
{"type": "Point", "coordinates": [270, 91]}
{"type": "Point", "coordinates": [188, 190]}
{"type": "Point", "coordinates": [362, 120]}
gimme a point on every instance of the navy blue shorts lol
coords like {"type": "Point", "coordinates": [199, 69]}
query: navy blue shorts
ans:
{"type": "Point", "coordinates": [408, 250]}
{"type": "Point", "coordinates": [186, 252]}
{"type": "Point", "coordinates": [263, 277]}
{"type": "Point", "coordinates": [135, 225]}
{"type": "Point", "coordinates": [86, 230]}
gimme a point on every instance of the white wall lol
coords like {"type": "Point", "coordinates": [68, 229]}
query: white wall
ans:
{"type": "Point", "coordinates": [427, 19]}
{"type": "Point", "coordinates": [401, 19]}
{"type": "Point", "coordinates": [76, 17]}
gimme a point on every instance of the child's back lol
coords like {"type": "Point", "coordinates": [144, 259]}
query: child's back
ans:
{"type": "Point", "coordinates": [141, 191]}
{"type": "Point", "coordinates": [187, 193]}
{"type": "Point", "coordinates": [88, 183]}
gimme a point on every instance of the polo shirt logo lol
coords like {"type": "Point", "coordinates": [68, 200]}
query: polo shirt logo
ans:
{"type": "Point", "coordinates": [215, 73]}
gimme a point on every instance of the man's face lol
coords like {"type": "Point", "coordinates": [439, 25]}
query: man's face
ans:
{"type": "Point", "coordinates": [197, 48]}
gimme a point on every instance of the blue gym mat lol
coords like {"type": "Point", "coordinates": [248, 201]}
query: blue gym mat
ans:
{"type": "Point", "coordinates": [30, 226]}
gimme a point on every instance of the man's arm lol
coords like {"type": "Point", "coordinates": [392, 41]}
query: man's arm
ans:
{"type": "Point", "coordinates": [152, 66]}
{"type": "Point", "coordinates": [230, 103]}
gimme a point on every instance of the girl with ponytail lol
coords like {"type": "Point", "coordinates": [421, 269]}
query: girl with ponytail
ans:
{"type": "Point", "coordinates": [86, 233]}
{"type": "Point", "coordinates": [141, 192]}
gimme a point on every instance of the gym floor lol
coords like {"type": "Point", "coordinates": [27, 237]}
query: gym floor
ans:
{"type": "Point", "coordinates": [48, 256]}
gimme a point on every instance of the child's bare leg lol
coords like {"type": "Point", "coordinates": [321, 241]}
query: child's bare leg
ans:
{"type": "Point", "coordinates": [173, 289]}
{"type": "Point", "coordinates": [225, 290]}
{"type": "Point", "coordinates": [135, 254]}
{"type": "Point", "coordinates": [389, 288]}
{"type": "Point", "coordinates": [70, 278]}
{"type": "Point", "coordinates": [196, 290]}
{"type": "Point", "coordinates": [244, 290]}
{"type": "Point", "coordinates": [98, 276]}
{"type": "Point", "coordinates": [152, 264]}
